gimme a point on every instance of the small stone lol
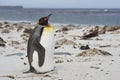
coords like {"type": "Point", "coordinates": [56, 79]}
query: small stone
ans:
{"type": "Point", "coordinates": [101, 70]}
{"type": "Point", "coordinates": [5, 22]}
{"type": "Point", "coordinates": [94, 67]}
{"type": "Point", "coordinates": [57, 46]}
{"type": "Point", "coordinates": [112, 60]}
{"type": "Point", "coordinates": [85, 47]}
{"type": "Point", "coordinates": [25, 63]}
{"type": "Point", "coordinates": [98, 39]}
{"type": "Point", "coordinates": [107, 73]}
{"type": "Point", "coordinates": [100, 63]}
{"type": "Point", "coordinates": [64, 29]}
{"type": "Point", "coordinates": [22, 58]}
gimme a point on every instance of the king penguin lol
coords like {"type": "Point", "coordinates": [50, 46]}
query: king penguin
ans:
{"type": "Point", "coordinates": [40, 47]}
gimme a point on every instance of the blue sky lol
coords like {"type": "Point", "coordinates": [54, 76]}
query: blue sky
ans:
{"type": "Point", "coordinates": [63, 3]}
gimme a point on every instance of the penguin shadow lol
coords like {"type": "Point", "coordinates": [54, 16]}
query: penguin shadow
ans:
{"type": "Point", "coordinates": [62, 53]}
{"type": "Point", "coordinates": [15, 54]}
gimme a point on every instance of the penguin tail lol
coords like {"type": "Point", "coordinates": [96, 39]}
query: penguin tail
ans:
{"type": "Point", "coordinates": [27, 72]}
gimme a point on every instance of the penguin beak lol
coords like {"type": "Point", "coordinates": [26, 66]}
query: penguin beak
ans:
{"type": "Point", "coordinates": [49, 14]}
{"type": "Point", "coordinates": [46, 18]}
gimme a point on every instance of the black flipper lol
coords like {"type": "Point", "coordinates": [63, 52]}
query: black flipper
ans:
{"type": "Point", "coordinates": [41, 51]}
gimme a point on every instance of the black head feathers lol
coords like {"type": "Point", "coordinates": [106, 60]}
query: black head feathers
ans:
{"type": "Point", "coordinates": [44, 20]}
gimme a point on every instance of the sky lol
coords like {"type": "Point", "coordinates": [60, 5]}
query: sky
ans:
{"type": "Point", "coordinates": [63, 3]}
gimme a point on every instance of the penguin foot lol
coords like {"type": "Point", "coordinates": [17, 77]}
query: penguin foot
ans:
{"type": "Point", "coordinates": [41, 73]}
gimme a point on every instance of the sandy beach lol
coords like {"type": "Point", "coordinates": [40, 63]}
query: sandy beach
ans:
{"type": "Point", "coordinates": [82, 52]}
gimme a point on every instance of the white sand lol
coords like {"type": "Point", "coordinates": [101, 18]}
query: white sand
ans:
{"type": "Point", "coordinates": [68, 67]}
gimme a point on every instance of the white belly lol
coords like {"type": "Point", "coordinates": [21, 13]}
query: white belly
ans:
{"type": "Point", "coordinates": [47, 41]}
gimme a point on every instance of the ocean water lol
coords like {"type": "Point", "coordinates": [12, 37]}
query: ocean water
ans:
{"type": "Point", "coordinates": [64, 16]}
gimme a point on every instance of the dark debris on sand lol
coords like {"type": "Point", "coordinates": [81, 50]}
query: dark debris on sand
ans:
{"type": "Point", "coordinates": [28, 30]}
{"type": "Point", "coordinates": [93, 52]}
{"type": "Point", "coordinates": [9, 76]}
{"type": "Point", "coordinates": [2, 42]}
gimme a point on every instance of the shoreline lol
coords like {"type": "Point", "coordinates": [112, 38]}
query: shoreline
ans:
{"type": "Point", "coordinates": [55, 24]}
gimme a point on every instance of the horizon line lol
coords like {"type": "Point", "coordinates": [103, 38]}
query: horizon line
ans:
{"type": "Point", "coordinates": [61, 7]}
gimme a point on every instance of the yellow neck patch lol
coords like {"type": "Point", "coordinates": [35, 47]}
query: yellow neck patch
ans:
{"type": "Point", "coordinates": [48, 28]}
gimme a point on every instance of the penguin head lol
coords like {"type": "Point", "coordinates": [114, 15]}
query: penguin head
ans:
{"type": "Point", "coordinates": [44, 20]}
